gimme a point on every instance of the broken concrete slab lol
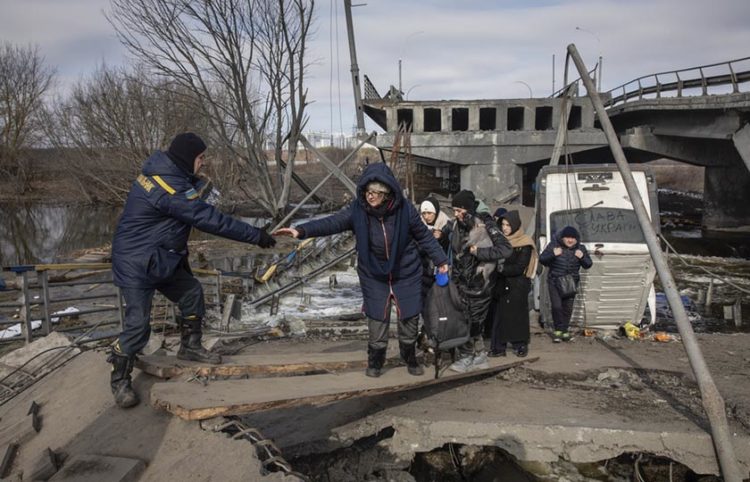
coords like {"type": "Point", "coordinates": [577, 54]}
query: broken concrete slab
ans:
{"type": "Point", "coordinates": [100, 468]}
{"type": "Point", "coordinates": [20, 431]}
{"type": "Point", "coordinates": [47, 465]}
{"type": "Point", "coordinates": [550, 443]}
{"type": "Point", "coordinates": [55, 342]}
{"type": "Point", "coordinates": [81, 418]}
{"type": "Point", "coordinates": [8, 453]}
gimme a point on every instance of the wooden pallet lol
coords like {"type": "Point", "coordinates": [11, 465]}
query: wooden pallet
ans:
{"type": "Point", "coordinates": [195, 401]}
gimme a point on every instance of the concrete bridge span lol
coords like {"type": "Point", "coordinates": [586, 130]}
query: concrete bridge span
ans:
{"type": "Point", "coordinates": [499, 145]}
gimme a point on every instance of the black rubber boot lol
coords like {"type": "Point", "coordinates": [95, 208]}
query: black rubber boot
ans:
{"type": "Point", "coordinates": [409, 355]}
{"type": "Point", "coordinates": [375, 362]}
{"type": "Point", "coordinates": [191, 349]}
{"type": "Point", "coordinates": [120, 381]}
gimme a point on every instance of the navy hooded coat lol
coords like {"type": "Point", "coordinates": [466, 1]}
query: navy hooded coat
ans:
{"type": "Point", "coordinates": [566, 263]}
{"type": "Point", "coordinates": [150, 241]}
{"type": "Point", "coordinates": [376, 246]}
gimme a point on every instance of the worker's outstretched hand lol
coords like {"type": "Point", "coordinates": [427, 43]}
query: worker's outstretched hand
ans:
{"type": "Point", "coordinates": [286, 232]}
{"type": "Point", "coordinates": [266, 240]}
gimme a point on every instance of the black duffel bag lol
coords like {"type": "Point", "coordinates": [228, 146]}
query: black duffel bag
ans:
{"type": "Point", "coordinates": [445, 322]}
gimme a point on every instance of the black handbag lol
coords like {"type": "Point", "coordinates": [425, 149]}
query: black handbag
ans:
{"type": "Point", "coordinates": [566, 286]}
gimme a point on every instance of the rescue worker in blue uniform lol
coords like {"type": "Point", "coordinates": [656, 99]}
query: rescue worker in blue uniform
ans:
{"type": "Point", "coordinates": [149, 253]}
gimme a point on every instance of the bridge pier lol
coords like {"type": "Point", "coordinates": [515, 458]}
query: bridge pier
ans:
{"type": "Point", "coordinates": [726, 198]}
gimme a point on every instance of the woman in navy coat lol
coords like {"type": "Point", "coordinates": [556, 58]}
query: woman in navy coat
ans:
{"type": "Point", "coordinates": [388, 231]}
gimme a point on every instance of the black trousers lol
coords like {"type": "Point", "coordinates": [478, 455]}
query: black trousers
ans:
{"type": "Point", "coordinates": [378, 331]}
{"type": "Point", "coordinates": [183, 289]}
{"type": "Point", "coordinates": [562, 309]}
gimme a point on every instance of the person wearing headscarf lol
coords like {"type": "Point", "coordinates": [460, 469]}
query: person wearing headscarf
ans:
{"type": "Point", "coordinates": [564, 255]}
{"type": "Point", "coordinates": [438, 224]}
{"type": "Point", "coordinates": [511, 316]}
{"type": "Point", "coordinates": [389, 233]}
{"type": "Point", "coordinates": [477, 245]}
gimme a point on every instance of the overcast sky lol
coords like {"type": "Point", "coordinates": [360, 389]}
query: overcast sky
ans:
{"type": "Point", "coordinates": [449, 49]}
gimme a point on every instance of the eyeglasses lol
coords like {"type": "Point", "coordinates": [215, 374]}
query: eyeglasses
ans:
{"type": "Point", "coordinates": [375, 193]}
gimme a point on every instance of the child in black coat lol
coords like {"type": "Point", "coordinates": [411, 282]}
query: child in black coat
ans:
{"type": "Point", "coordinates": [564, 255]}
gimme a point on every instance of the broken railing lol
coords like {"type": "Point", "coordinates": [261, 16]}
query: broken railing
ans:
{"type": "Point", "coordinates": [45, 292]}
{"type": "Point", "coordinates": [732, 73]}
{"type": "Point", "coordinates": [40, 290]}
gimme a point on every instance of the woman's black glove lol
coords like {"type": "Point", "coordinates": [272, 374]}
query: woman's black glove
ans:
{"type": "Point", "coordinates": [266, 240]}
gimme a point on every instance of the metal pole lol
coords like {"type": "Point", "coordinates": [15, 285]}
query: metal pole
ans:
{"type": "Point", "coordinates": [340, 175]}
{"type": "Point", "coordinates": [553, 74]}
{"type": "Point", "coordinates": [46, 322]}
{"type": "Point", "coordinates": [712, 401]}
{"type": "Point", "coordinates": [599, 77]}
{"type": "Point", "coordinates": [320, 184]}
{"type": "Point", "coordinates": [400, 88]}
{"type": "Point", "coordinates": [354, 68]}
{"type": "Point", "coordinates": [26, 308]}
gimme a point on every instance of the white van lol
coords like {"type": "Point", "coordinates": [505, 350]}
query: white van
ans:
{"type": "Point", "coordinates": [592, 198]}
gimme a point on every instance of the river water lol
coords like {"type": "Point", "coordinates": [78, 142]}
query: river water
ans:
{"type": "Point", "coordinates": [45, 233]}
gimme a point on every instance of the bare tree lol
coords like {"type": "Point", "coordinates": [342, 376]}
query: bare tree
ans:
{"type": "Point", "coordinates": [24, 79]}
{"type": "Point", "coordinates": [114, 120]}
{"type": "Point", "coordinates": [244, 61]}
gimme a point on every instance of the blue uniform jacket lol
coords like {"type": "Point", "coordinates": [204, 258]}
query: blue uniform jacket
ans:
{"type": "Point", "coordinates": [404, 284]}
{"type": "Point", "coordinates": [150, 241]}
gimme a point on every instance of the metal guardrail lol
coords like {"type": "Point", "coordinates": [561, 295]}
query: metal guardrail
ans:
{"type": "Point", "coordinates": [680, 80]}
{"type": "Point", "coordinates": [37, 299]}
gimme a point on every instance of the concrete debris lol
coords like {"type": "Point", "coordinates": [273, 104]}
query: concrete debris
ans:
{"type": "Point", "coordinates": [99, 468]}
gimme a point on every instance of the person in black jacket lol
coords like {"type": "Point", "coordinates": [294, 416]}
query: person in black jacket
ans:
{"type": "Point", "coordinates": [511, 315]}
{"type": "Point", "coordinates": [149, 253]}
{"type": "Point", "coordinates": [564, 255]}
{"type": "Point", "coordinates": [388, 232]}
{"type": "Point", "coordinates": [477, 246]}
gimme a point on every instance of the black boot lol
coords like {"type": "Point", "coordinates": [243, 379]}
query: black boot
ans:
{"type": "Point", "coordinates": [122, 366]}
{"type": "Point", "coordinates": [191, 349]}
{"type": "Point", "coordinates": [409, 355]}
{"type": "Point", "coordinates": [375, 362]}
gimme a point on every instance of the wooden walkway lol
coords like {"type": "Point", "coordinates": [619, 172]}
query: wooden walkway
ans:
{"type": "Point", "coordinates": [258, 366]}
{"type": "Point", "coordinates": [195, 401]}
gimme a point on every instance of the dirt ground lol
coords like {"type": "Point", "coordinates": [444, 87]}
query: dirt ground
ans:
{"type": "Point", "coordinates": [591, 386]}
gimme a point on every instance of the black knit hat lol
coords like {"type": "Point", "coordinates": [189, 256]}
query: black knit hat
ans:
{"type": "Point", "coordinates": [465, 200]}
{"type": "Point", "coordinates": [184, 149]}
{"type": "Point", "coordinates": [499, 212]}
{"type": "Point", "coordinates": [568, 232]}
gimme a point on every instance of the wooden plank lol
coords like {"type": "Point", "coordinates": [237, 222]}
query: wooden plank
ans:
{"type": "Point", "coordinates": [257, 366]}
{"type": "Point", "coordinates": [69, 266]}
{"type": "Point", "coordinates": [192, 401]}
